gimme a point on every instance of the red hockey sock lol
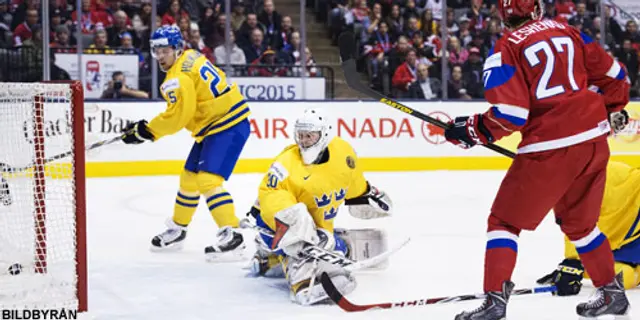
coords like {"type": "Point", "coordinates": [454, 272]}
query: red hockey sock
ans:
{"type": "Point", "coordinates": [597, 258]}
{"type": "Point", "coordinates": [501, 254]}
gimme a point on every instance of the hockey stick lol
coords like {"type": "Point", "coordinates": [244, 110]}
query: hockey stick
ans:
{"type": "Point", "coordinates": [6, 168]}
{"type": "Point", "coordinates": [347, 44]}
{"type": "Point", "coordinates": [331, 257]}
{"type": "Point", "coordinates": [346, 305]}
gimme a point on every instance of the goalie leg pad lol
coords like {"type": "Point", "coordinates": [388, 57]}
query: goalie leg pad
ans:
{"type": "Point", "coordinates": [303, 276]}
{"type": "Point", "coordinates": [365, 244]}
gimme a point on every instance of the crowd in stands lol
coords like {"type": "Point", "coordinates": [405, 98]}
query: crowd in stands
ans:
{"type": "Point", "coordinates": [401, 46]}
{"type": "Point", "coordinates": [261, 36]}
{"type": "Point", "coordinates": [400, 41]}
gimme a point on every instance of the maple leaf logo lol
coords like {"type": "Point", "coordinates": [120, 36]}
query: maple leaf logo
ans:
{"type": "Point", "coordinates": [434, 130]}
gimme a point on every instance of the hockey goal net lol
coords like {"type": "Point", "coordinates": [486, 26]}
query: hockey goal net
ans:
{"type": "Point", "coordinates": [42, 197]}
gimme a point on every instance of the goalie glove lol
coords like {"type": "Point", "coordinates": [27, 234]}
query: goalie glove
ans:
{"type": "Point", "coordinates": [374, 203]}
{"type": "Point", "coordinates": [567, 277]}
{"type": "Point", "coordinates": [294, 229]}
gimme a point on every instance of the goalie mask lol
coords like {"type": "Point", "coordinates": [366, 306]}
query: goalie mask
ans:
{"type": "Point", "coordinates": [312, 133]}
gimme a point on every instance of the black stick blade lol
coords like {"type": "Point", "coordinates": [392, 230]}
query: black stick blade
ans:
{"type": "Point", "coordinates": [347, 45]}
{"type": "Point", "coordinates": [330, 288]}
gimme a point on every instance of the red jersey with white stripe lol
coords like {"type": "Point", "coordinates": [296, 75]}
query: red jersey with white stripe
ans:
{"type": "Point", "coordinates": [538, 79]}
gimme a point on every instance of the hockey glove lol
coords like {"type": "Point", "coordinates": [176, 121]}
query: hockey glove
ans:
{"type": "Point", "coordinates": [136, 133]}
{"type": "Point", "coordinates": [618, 120]}
{"type": "Point", "coordinates": [466, 132]}
{"type": "Point", "coordinates": [567, 277]}
{"type": "Point", "coordinates": [294, 229]}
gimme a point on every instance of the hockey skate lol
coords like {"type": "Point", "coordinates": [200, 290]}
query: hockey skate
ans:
{"type": "Point", "coordinates": [494, 306]}
{"type": "Point", "coordinates": [230, 244]}
{"type": "Point", "coordinates": [170, 240]}
{"type": "Point", "coordinates": [608, 302]}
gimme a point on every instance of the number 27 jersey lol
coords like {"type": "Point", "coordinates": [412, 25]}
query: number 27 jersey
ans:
{"type": "Point", "coordinates": [552, 83]}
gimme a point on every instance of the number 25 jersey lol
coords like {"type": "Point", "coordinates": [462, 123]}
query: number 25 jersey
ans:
{"type": "Point", "coordinates": [552, 83]}
{"type": "Point", "coordinates": [199, 99]}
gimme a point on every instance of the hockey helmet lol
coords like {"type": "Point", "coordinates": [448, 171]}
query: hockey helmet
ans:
{"type": "Point", "coordinates": [312, 133]}
{"type": "Point", "coordinates": [166, 36]}
{"type": "Point", "coordinates": [518, 11]}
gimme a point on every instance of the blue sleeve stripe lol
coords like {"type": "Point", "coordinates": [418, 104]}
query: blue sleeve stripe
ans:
{"type": "Point", "coordinates": [621, 75]}
{"type": "Point", "coordinates": [592, 245]}
{"type": "Point", "coordinates": [495, 77]}
{"type": "Point", "coordinates": [512, 119]}
{"type": "Point", "coordinates": [502, 243]}
{"type": "Point", "coordinates": [585, 38]}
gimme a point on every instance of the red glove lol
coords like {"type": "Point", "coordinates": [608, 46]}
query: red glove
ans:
{"type": "Point", "coordinates": [466, 132]}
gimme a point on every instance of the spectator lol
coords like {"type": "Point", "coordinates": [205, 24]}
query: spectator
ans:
{"type": "Point", "coordinates": [119, 27]}
{"type": "Point", "coordinates": [237, 15]}
{"type": "Point", "coordinates": [494, 33]}
{"type": "Point", "coordinates": [410, 10]}
{"type": "Point", "coordinates": [452, 25]}
{"type": "Point", "coordinates": [246, 30]}
{"type": "Point", "coordinates": [412, 27]}
{"type": "Point", "coordinates": [54, 21]}
{"type": "Point", "coordinates": [456, 86]}
{"type": "Point", "coordinates": [581, 18]}
{"type": "Point", "coordinates": [457, 54]}
{"type": "Point", "coordinates": [269, 66]}
{"type": "Point", "coordinates": [62, 38]}
{"type": "Point", "coordinates": [185, 27]}
{"type": "Point", "coordinates": [631, 32]}
{"type": "Point", "coordinates": [216, 36]}
{"type": "Point", "coordinates": [272, 20]}
{"type": "Point", "coordinates": [19, 13]}
{"type": "Point", "coordinates": [5, 23]}
{"type": "Point", "coordinates": [360, 13]}
{"type": "Point", "coordinates": [565, 8]}
{"type": "Point", "coordinates": [126, 44]}
{"type": "Point", "coordinates": [338, 17]}
{"type": "Point", "coordinates": [237, 56]}
{"type": "Point", "coordinates": [32, 55]}
{"type": "Point", "coordinates": [423, 87]}
{"type": "Point", "coordinates": [426, 53]}
{"type": "Point", "coordinates": [398, 53]}
{"type": "Point", "coordinates": [379, 45]}
{"type": "Point", "coordinates": [174, 13]}
{"type": "Point", "coordinates": [427, 24]}
{"type": "Point", "coordinates": [118, 89]}
{"type": "Point", "coordinates": [371, 23]}
{"type": "Point", "coordinates": [478, 16]}
{"type": "Point", "coordinates": [406, 72]}
{"type": "Point", "coordinates": [284, 36]}
{"type": "Point", "coordinates": [91, 19]}
{"type": "Point", "coordinates": [57, 73]}
{"type": "Point", "coordinates": [310, 69]}
{"type": "Point", "coordinates": [256, 49]}
{"type": "Point", "coordinates": [435, 6]}
{"type": "Point", "coordinates": [292, 47]}
{"type": "Point", "coordinates": [629, 57]}
{"type": "Point", "coordinates": [23, 30]}
{"type": "Point", "coordinates": [395, 21]}
{"type": "Point", "coordinates": [196, 43]}
{"type": "Point", "coordinates": [464, 34]}
{"type": "Point", "coordinates": [99, 44]}
{"type": "Point", "coordinates": [472, 72]}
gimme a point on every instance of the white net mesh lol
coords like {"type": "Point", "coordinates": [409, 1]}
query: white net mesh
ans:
{"type": "Point", "coordinates": [37, 201]}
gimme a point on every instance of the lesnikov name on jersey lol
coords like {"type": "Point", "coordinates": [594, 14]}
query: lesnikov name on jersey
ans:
{"type": "Point", "coordinates": [522, 33]}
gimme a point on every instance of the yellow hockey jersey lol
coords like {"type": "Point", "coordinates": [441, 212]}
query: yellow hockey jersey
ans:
{"type": "Point", "coordinates": [321, 187]}
{"type": "Point", "coordinates": [199, 98]}
{"type": "Point", "coordinates": [619, 215]}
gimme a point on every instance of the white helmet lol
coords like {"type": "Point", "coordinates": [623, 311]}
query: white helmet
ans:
{"type": "Point", "coordinates": [312, 145]}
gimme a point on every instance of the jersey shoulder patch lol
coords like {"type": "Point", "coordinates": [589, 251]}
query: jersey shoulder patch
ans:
{"type": "Point", "coordinates": [278, 169]}
{"type": "Point", "coordinates": [496, 71]}
{"type": "Point", "coordinates": [170, 84]}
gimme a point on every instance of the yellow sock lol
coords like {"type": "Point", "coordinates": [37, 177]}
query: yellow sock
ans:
{"type": "Point", "coordinates": [219, 200]}
{"type": "Point", "coordinates": [629, 274]}
{"type": "Point", "coordinates": [187, 199]}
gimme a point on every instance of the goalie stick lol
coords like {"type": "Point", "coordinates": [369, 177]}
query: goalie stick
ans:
{"type": "Point", "coordinates": [7, 168]}
{"type": "Point", "coordinates": [347, 44]}
{"type": "Point", "coordinates": [346, 305]}
{"type": "Point", "coordinates": [331, 257]}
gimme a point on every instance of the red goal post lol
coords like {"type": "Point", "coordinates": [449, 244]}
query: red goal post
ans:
{"type": "Point", "coordinates": [43, 261]}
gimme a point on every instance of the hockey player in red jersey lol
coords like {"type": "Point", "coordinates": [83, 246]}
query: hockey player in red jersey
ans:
{"type": "Point", "coordinates": [538, 79]}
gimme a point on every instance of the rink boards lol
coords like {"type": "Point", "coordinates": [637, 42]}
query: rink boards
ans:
{"type": "Point", "coordinates": [384, 138]}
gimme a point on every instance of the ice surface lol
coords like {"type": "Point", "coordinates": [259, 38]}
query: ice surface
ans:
{"type": "Point", "coordinates": [444, 212]}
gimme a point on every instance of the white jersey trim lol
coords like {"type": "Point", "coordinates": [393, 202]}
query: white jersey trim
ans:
{"type": "Point", "coordinates": [602, 128]}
